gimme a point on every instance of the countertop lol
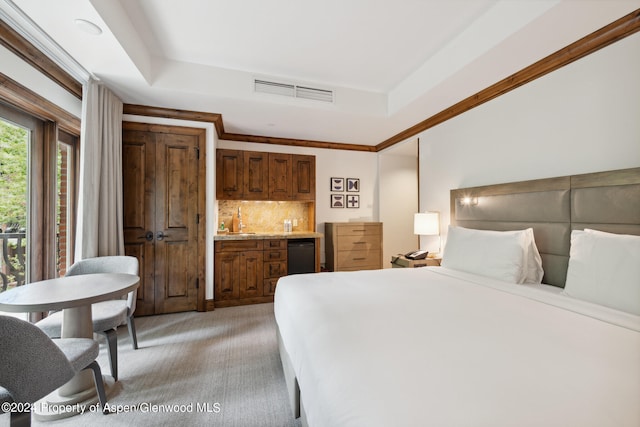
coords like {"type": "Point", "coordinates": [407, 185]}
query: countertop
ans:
{"type": "Point", "coordinates": [269, 235]}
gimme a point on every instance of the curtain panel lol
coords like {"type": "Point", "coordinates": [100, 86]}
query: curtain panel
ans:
{"type": "Point", "coordinates": [100, 225]}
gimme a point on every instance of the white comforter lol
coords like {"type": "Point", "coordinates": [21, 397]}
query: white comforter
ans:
{"type": "Point", "coordinates": [431, 347]}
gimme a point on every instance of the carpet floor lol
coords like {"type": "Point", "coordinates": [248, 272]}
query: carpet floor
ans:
{"type": "Point", "coordinates": [219, 368]}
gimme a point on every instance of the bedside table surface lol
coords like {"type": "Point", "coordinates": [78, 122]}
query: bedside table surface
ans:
{"type": "Point", "coordinates": [400, 261]}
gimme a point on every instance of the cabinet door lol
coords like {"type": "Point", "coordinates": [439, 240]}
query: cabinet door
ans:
{"type": "Point", "coordinates": [280, 176]}
{"type": "Point", "coordinates": [251, 280]}
{"type": "Point", "coordinates": [227, 276]}
{"type": "Point", "coordinates": [229, 174]}
{"type": "Point", "coordinates": [275, 269]}
{"type": "Point", "coordinates": [304, 177]}
{"type": "Point", "coordinates": [256, 176]}
{"type": "Point", "coordinates": [269, 288]}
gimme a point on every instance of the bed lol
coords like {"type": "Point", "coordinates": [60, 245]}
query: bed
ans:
{"type": "Point", "coordinates": [446, 347]}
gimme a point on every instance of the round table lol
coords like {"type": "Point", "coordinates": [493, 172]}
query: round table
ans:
{"type": "Point", "coordinates": [74, 296]}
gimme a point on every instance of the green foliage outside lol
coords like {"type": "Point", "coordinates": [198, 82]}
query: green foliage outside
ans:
{"type": "Point", "coordinates": [13, 196]}
{"type": "Point", "coordinates": [13, 175]}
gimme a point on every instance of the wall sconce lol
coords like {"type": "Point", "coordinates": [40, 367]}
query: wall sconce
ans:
{"type": "Point", "coordinates": [427, 224]}
{"type": "Point", "coordinates": [468, 201]}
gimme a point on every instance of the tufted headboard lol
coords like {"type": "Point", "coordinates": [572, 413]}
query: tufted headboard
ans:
{"type": "Point", "coordinates": [607, 201]}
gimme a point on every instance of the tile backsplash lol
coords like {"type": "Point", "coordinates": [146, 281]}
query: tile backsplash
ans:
{"type": "Point", "coordinates": [265, 216]}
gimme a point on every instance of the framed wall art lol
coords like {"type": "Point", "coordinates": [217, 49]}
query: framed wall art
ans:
{"type": "Point", "coordinates": [337, 200]}
{"type": "Point", "coordinates": [337, 184]}
{"type": "Point", "coordinates": [353, 184]}
{"type": "Point", "coordinates": [353, 201]}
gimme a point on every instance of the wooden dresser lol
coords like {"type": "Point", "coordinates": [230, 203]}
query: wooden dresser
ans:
{"type": "Point", "coordinates": [353, 245]}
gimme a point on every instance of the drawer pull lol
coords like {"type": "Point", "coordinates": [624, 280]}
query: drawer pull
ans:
{"type": "Point", "coordinates": [359, 243]}
{"type": "Point", "coordinates": [361, 230]}
{"type": "Point", "coordinates": [358, 259]}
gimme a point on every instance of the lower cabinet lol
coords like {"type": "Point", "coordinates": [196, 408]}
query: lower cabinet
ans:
{"type": "Point", "coordinates": [275, 264]}
{"type": "Point", "coordinates": [246, 271]}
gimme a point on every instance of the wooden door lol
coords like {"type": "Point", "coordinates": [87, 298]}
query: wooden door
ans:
{"type": "Point", "coordinates": [138, 164]}
{"type": "Point", "coordinates": [304, 177]}
{"type": "Point", "coordinates": [256, 176]}
{"type": "Point", "coordinates": [164, 215]}
{"type": "Point", "coordinates": [280, 174]}
{"type": "Point", "coordinates": [176, 179]}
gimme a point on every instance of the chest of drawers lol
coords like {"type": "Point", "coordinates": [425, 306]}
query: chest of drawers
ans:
{"type": "Point", "coordinates": [353, 245]}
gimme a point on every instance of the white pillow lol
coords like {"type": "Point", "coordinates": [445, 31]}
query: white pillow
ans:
{"type": "Point", "coordinates": [510, 256]}
{"type": "Point", "coordinates": [604, 268]}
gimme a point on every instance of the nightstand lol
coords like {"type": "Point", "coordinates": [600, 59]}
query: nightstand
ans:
{"type": "Point", "coordinates": [399, 261]}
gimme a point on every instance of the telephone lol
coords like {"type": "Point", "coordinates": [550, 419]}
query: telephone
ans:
{"type": "Point", "coordinates": [417, 255]}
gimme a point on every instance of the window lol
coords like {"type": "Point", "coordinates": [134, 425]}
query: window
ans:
{"type": "Point", "coordinates": [14, 156]}
{"type": "Point", "coordinates": [65, 198]}
{"type": "Point", "coordinates": [37, 172]}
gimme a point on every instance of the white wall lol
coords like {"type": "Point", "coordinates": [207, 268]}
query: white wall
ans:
{"type": "Point", "coordinates": [398, 198]}
{"type": "Point", "coordinates": [582, 118]}
{"type": "Point", "coordinates": [332, 163]}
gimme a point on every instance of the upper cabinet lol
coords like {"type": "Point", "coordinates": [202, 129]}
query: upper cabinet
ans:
{"type": "Point", "coordinates": [255, 185]}
{"type": "Point", "coordinates": [254, 175]}
{"type": "Point", "coordinates": [229, 174]}
{"type": "Point", "coordinates": [304, 177]}
{"type": "Point", "coordinates": [280, 173]}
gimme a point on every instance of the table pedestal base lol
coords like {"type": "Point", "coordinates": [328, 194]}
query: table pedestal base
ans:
{"type": "Point", "coordinates": [55, 406]}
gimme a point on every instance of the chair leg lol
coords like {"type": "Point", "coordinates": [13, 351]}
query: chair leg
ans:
{"type": "Point", "coordinates": [20, 419]}
{"type": "Point", "coordinates": [97, 377]}
{"type": "Point", "coordinates": [132, 332]}
{"type": "Point", "coordinates": [112, 346]}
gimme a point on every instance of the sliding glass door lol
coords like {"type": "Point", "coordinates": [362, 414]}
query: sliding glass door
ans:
{"type": "Point", "coordinates": [37, 193]}
{"type": "Point", "coordinates": [16, 133]}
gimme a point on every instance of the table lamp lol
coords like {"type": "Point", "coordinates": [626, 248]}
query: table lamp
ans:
{"type": "Point", "coordinates": [427, 224]}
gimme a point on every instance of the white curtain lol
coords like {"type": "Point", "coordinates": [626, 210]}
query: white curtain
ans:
{"type": "Point", "coordinates": [99, 230]}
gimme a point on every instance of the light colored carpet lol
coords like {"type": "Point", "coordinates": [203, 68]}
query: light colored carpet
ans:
{"type": "Point", "coordinates": [222, 366]}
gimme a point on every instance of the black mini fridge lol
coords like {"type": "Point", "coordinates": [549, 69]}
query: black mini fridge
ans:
{"type": "Point", "coordinates": [301, 256]}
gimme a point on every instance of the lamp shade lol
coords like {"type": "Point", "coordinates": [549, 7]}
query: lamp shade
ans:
{"type": "Point", "coordinates": [426, 224]}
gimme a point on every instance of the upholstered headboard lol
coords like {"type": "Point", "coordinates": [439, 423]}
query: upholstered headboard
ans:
{"type": "Point", "coordinates": [607, 201]}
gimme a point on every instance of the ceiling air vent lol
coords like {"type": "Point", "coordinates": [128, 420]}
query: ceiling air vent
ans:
{"type": "Point", "coordinates": [274, 88]}
{"type": "Point", "coordinates": [314, 94]}
{"type": "Point", "coordinates": [294, 91]}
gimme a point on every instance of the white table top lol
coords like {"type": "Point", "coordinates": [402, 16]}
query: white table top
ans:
{"type": "Point", "coordinates": [67, 292]}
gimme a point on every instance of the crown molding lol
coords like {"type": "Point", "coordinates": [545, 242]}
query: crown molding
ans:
{"type": "Point", "coordinates": [28, 41]}
{"type": "Point", "coordinates": [617, 30]}
{"type": "Point", "coordinates": [27, 100]}
{"type": "Point", "coordinates": [216, 119]}
{"type": "Point", "coordinates": [33, 54]}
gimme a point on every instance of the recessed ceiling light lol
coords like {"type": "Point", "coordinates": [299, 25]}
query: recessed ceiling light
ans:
{"type": "Point", "coordinates": [88, 27]}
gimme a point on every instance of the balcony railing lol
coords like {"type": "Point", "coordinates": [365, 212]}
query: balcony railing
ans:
{"type": "Point", "coordinates": [12, 260]}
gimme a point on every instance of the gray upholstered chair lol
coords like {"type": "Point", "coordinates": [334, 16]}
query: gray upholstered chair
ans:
{"type": "Point", "coordinates": [33, 365]}
{"type": "Point", "coordinates": [106, 315]}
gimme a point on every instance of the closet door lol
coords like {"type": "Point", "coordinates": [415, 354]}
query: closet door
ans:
{"type": "Point", "coordinates": [176, 223]}
{"type": "Point", "coordinates": [163, 222]}
{"type": "Point", "coordinates": [138, 165]}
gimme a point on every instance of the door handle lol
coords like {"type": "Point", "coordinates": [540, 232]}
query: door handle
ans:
{"type": "Point", "coordinates": [148, 236]}
{"type": "Point", "coordinates": [160, 235]}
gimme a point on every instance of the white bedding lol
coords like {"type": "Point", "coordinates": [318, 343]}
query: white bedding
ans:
{"type": "Point", "coordinates": [433, 347]}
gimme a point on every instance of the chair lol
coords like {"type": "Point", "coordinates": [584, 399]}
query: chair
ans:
{"type": "Point", "coordinates": [106, 315]}
{"type": "Point", "coordinates": [32, 365]}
